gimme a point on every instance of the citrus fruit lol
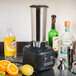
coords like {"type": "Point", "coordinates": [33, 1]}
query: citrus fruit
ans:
{"type": "Point", "coordinates": [27, 69]}
{"type": "Point", "coordinates": [4, 64]}
{"type": "Point", "coordinates": [2, 68]}
{"type": "Point", "coordinates": [12, 69]}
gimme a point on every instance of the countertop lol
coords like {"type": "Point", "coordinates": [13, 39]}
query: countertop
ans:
{"type": "Point", "coordinates": [50, 72]}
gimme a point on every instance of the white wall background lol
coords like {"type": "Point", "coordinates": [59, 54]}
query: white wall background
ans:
{"type": "Point", "coordinates": [17, 13]}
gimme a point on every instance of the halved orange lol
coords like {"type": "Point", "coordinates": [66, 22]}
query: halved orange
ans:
{"type": "Point", "coordinates": [2, 68]}
{"type": "Point", "coordinates": [4, 64]}
{"type": "Point", "coordinates": [12, 69]}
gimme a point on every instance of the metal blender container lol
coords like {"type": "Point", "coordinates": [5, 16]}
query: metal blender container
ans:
{"type": "Point", "coordinates": [38, 20]}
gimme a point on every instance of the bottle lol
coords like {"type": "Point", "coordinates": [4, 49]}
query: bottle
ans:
{"type": "Point", "coordinates": [10, 45]}
{"type": "Point", "coordinates": [53, 36]}
{"type": "Point", "coordinates": [66, 40]}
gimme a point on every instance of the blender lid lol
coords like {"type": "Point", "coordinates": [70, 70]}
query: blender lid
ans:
{"type": "Point", "coordinates": [38, 6]}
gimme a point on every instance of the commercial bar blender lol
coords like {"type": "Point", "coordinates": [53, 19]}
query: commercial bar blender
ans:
{"type": "Point", "coordinates": [38, 54]}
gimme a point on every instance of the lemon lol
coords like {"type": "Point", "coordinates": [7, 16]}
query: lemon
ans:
{"type": "Point", "coordinates": [27, 69]}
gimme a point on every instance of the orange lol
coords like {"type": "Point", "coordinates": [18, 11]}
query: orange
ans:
{"type": "Point", "coordinates": [3, 64]}
{"type": "Point", "coordinates": [12, 69]}
{"type": "Point", "coordinates": [2, 68]}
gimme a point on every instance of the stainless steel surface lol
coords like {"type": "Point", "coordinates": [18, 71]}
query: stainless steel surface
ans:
{"type": "Point", "coordinates": [38, 22]}
{"type": "Point", "coordinates": [45, 73]}
{"type": "Point", "coordinates": [61, 72]}
{"type": "Point", "coordinates": [36, 44]}
{"type": "Point", "coordinates": [62, 64]}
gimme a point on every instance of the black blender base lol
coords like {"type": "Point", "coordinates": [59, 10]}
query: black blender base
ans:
{"type": "Point", "coordinates": [40, 58]}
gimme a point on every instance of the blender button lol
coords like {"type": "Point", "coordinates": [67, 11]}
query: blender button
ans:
{"type": "Point", "coordinates": [51, 57]}
{"type": "Point", "coordinates": [45, 58]}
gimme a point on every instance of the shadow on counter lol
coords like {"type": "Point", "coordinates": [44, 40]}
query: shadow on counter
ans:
{"type": "Point", "coordinates": [45, 73]}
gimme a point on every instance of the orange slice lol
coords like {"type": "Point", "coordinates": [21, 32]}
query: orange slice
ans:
{"type": "Point", "coordinates": [12, 69]}
{"type": "Point", "coordinates": [4, 64]}
{"type": "Point", "coordinates": [2, 68]}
